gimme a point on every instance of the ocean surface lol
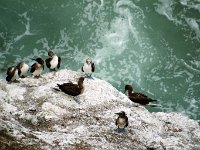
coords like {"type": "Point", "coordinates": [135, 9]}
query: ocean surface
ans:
{"type": "Point", "coordinates": [154, 45]}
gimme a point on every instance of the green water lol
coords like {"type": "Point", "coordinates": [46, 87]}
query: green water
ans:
{"type": "Point", "coordinates": [153, 45]}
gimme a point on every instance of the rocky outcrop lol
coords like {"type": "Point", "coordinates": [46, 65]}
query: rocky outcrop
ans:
{"type": "Point", "coordinates": [34, 116]}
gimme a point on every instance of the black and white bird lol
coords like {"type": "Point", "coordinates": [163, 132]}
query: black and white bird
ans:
{"type": "Point", "coordinates": [121, 122]}
{"type": "Point", "coordinates": [37, 68]}
{"type": "Point", "coordinates": [88, 68]}
{"type": "Point", "coordinates": [22, 69]}
{"type": "Point", "coordinates": [53, 62]}
{"type": "Point", "coordinates": [12, 74]}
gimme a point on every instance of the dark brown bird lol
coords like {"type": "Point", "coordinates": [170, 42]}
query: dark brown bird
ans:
{"type": "Point", "coordinates": [121, 122]}
{"type": "Point", "coordinates": [138, 97]}
{"type": "Point", "coordinates": [71, 88]}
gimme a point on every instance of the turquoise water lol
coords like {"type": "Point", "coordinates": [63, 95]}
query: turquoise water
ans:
{"type": "Point", "coordinates": [153, 45]}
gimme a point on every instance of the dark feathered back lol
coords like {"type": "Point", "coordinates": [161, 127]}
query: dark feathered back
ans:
{"type": "Point", "coordinates": [33, 67]}
{"type": "Point", "coordinates": [59, 62]}
{"type": "Point", "coordinates": [70, 89]}
{"type": "Point", "coordinates": [48, 62]}
{"type": "Point", "coordinates": [138, 97]}
{"type": "Point", "coordinates": [93, 67]}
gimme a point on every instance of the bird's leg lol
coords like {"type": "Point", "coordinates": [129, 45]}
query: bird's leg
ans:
{"type": "Point", "coordinates": [76, 98]}
{"type": "Point", "coordinates": [22, 76]}
{"type": "Point", "coordinates": [89, 76]}
{"type": "Point", "coordinates": [53, 69]}
{"type": "Point", "coordinates": [120, 130]}
{"type": "Point", "coordinates": [36, 77]}
{"type": "Point", "coordinates": [85, 75]}
{"type": "Point", "coordinates": [56, 89]}
{"type": "Point", "coordinates": [16, 81]}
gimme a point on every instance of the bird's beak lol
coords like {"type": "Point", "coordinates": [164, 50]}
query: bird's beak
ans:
{"type": "Point", "coordinates": [32, 59]}
{"type": "Point", "coordinates": [117, 113]}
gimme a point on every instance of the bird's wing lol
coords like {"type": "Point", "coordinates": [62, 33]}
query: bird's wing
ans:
{"type": "Point", "coordinates": [19, 66]}
{"type": "Point", "coordinates": [126, 121]}
{"type": "Point", "coordinates": [33, 67]}
{"type": "Point", "coordinates": [10, 73]}
{"type": "Point", "coordinates": [116, 121]}
{"type": "Point", "coordinates": [10, 70]}
{"type": "Point", "coordinates": [143, 97]}
{"type": "Point", "coordinates": [48, 62]}
{"type": "Point", "coordinates": [140, 100]}
{"type": "Point", "coordinates": [82, 68]}
{"type": "Point", "coordinates": [59, 61]}
{"type": "Point", "coordinates": [8, 78]}
{"type": "Point", "coordinates": [68, 84]}
{"type": "Point", "coordinates": [140, 95]}
{"type": "Point", "coordinates": [93, 67]}
{"type": "Point", "coordinates": [71, 89]}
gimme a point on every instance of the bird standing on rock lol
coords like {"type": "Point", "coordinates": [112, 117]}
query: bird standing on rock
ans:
{"type": "Point", "coordinates": [22, 69]}
{"type": "Point", "coordinates": [37, 68]}
{"type": "Point", "coordinates": [53, 62]}
{"type": "Point", "coordinates": [121, 122]}
{"type": "Point", "coordinates": [71, 88]}
{"type": "Point", "coordinates": [88, 67]}
{"type": "Point", "coordinates": [138, 97]}
{"type": "Point", "coordinates": [12, 74]}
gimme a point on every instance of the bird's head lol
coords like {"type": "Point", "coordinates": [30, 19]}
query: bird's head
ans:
{"type": "Point", "coordinates": [51, 54]}
{"type": "Point", "coordinates": [88, 61]}
{"type": "Point", "coordinates": [81, 79]}
{"type": "Point", "coordinates": [128, 88]}
{"type": "Point", "coordinates": [121, 113]}
{"type": "Point", "coordinates": [39, 60]}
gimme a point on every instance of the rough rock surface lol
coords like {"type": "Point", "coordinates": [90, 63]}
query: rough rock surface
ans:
{"type": "Point", "coordinates": [34, 116]}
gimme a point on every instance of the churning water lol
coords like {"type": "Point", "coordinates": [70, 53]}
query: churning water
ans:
{"type": "Point", "coordinates": [153, 45]}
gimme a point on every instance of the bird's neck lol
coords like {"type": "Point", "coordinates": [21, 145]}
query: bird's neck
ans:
{"type": "Point", "coordinates": [54, 57]}
{"type": "Point", "coordinates": [81, 86]}
{"type": "Point", "coordinates": [130, 92]}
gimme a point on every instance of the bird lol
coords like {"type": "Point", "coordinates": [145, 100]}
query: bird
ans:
{"type": "Point", "coordinates": [37, 68]}
{"type": "Point", "coordinates": [121, 122]}
{"type": "Point", "coordinates": [139, 98]}
{"type": "Point", "coordinates": [22, 69]}
{"type": "Point", "coordinates": [53, 62]}
{"type": "Point", "coordinates": [71, 88]}
{"type": "Point", "coordinates": [12, 74]}
{"type": "Point", "coordinates": [88, 68]}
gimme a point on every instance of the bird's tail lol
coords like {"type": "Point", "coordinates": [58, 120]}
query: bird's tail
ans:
{"type": "Point", "coordinates": [153, 100]}
{"type": "Point", "coordinates": [56, 89]}
{"type": "Point", "coordinates": [153, 105]}
{"type": "Point", "coordinates": [59, 85]}
{"type": "Point", "coordinates": [8, 78]}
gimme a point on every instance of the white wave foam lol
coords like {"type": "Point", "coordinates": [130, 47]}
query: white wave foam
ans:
{"type": "Point", "coordinates": [27, 27]}
{"type": "Point", "coordinates": [184, 2]}
{"type": "Point", "coordinates": [194, 26]}
{"type": "Point", "coordinates": [164, 8]}
{"type": "Point", "coordinates": [116, 38]}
